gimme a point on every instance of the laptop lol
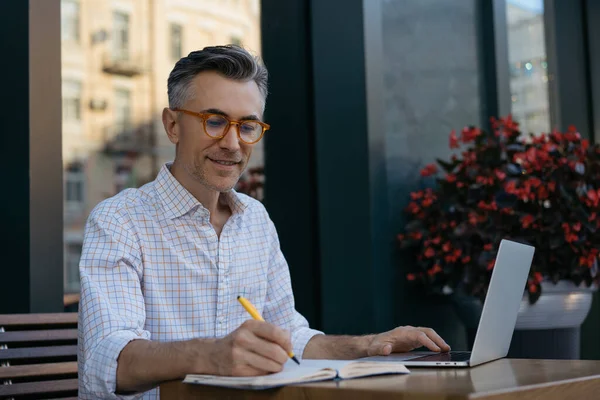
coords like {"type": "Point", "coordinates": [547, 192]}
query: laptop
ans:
{"type": "Point", "coordinates": [498, 317]}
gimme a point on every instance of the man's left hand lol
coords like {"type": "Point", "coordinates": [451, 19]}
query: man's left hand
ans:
{"type": "Point", "coordinates": [404, 339]}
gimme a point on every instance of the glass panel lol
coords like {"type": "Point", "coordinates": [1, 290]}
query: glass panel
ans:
{"type": "Point", "coordinates": [114, 90]}
{"type": "Point", "coordinates": [69, 10]}
{"type": "Point", "coordinates": [71, 100]}
{"type": "Point", "coordinates": [431, 79]}
{"type": "Point", "coordinates": [176, 41]}
{"type": "Point", "coordinates": [120, 36]}
{"type": "Point", "coordinates": [528, 66]}
{"type": "Point", "coordinates": [72, 256]}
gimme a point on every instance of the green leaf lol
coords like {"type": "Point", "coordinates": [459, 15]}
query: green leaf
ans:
{"type": "Point", "coordinates": [448, 166]}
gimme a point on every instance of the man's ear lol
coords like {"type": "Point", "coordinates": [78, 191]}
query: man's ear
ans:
{"type": "Point", "coordinates": [171, 123]}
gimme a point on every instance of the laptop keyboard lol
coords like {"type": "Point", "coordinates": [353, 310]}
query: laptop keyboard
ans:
{"type": "Point", "coordinates": [451, 356]}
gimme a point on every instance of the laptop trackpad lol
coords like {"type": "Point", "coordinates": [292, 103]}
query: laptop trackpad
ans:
{"type": "Point", "coordinates": [395, 357]}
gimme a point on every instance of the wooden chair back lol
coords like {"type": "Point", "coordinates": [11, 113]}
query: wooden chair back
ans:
{"type": "Point", "coordinates": [38, 356]}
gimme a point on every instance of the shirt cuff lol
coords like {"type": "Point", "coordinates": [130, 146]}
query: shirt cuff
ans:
{"type": "Point", "coordinates": [100, 370]}
{"type": "Point", "coordinates": [300, 339]}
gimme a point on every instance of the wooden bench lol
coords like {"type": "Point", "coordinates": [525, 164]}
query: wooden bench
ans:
{"type": "Point", "coordinates": [38, 356]}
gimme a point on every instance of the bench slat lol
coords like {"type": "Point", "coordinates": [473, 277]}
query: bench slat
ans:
{"type": "Point", "coordinates": [38, 336]}
{"type": "Point", "coordinates": [43, 387]}
{"type": "Point", "coordinates": [37, 352]}
{"type": "Point", "coordinates": [35, 370]}
{"type": "Point", "coordinates": [38, 319]}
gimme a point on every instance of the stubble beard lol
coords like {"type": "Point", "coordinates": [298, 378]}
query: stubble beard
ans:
{"type": "Point", "coordinates": [198, 173]}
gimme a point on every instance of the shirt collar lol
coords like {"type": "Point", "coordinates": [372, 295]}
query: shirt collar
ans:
{"type": "Point", "coordinates": [178, 201]}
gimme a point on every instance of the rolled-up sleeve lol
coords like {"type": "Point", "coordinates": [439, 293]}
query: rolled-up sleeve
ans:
{"type": "Point", "coordinates": [111, 310]}
{"type": "Point", "coordinates": [280, 307]}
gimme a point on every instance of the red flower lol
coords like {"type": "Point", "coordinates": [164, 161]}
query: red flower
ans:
{"type": "Point", "coordinates": [411, 277]}
{"type": "Point", "coordinates": [532, 288]}
{"type": "Point", "coordinates": [585, 144]}
{"type": "Point", "coordinates": [429, 252]}
{"type": "Point", "coordinates": [487, 206]}
{"type": "Point", "coordinates": [500, 175]}
{"type": "Point", "coordinates": [451, 178]}
{"type": "Point", "coordinates": [487, 247]}
{"type": "Point", "coordinates": [453, 140]}
{"type": "Point", "coordinates": [466, 259]}
{"type": "Point", "coordinates": [594, 197]}
{"type": "Point", "coordinates": [538, 277]}
{"type": "Point", "coordinates": [416, 195]}
{"type": "Point", "coordinates": [469, 134]}
{"type": "Point", "coordinates": [429, 170]}
{"type": "Point", "coordinates": [436, 269]}
{"type": "Point", "coordinates": [511, 187]}
{"type": "Point", "coordinates": [436, 240]}
{"type": "Point", "coordinates": [473, 218]}
{"type": "Point", "coordinates": [491, 264]}
{"type": "Point", "coordinates": [592, 217]}
{"type": "Point", "coordinates": [427, 202]}
{"type": "Point", "coordinates": [416, 235]}
{"type": "Point", "coordinates": [447, 247]}
{"type": "Point", "coordinates": [527, 220]}
{"type": "Point", "coordinates": [413, 208]}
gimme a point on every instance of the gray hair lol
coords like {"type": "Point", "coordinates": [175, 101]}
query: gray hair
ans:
{"type": "Point", "coordinates": [231, 61]}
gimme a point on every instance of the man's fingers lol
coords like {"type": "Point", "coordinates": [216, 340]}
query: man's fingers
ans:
{"type": "Point", "coordinates": [270, 332]}
{"type": "Point", "coordinates": [269, 350]}
{"type": "Point", "coordinates": [261, 363]}
{"type": "Point", "coordinates": [437, 339]}
{"type": "Point", "coordinates": [424, 340]}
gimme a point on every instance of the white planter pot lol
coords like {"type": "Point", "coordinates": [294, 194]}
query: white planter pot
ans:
{"type": "Point", "coordinates": [563, 305]}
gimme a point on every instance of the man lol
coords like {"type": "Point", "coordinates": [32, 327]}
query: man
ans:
{"type": "Point", "coordinates": [162, 265]}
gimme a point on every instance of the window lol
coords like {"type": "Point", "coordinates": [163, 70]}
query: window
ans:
{"type": "Point", "coordinates": [122, 109]}
{"type": "Point", "coordinates": [71, 100]}
{"type": "Point", "coordinates": [74, 185]}
{"type": "Point", "coordinates": [528, 67]}
{"type": "Point", "coordinates": [120, 39]}
{"type": "Point", "coordinates": [69, 21]}
{"type": "Point", "coordinates": [176, 41]}
{"type": "Point", "coordinates": [74, 188]}
{"type": "Point", "coordinates": [72, 257]}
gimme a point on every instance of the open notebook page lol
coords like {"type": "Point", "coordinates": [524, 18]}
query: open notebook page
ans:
{"type": "Point", "coordinates": [307, 371]}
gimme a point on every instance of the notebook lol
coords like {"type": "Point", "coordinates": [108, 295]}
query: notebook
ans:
{"type": "Point", "coordinates": [307, 371]}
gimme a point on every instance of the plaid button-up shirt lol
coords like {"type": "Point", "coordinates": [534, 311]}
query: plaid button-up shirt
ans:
{"type": "Point", "coordinates": [153, 267]}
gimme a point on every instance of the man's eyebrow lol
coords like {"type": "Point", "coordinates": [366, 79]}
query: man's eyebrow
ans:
{"type": "Point", "coordinates": [251, 117]}
{"type": "Point", "coordinates": [215, 111]}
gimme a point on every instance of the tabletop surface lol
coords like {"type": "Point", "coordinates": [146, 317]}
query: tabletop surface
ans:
{"type": "Point", "coordinates": [505, 378]}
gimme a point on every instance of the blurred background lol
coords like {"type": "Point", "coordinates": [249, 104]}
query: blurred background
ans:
{"type": "Point", "coordinates": [363, 94]}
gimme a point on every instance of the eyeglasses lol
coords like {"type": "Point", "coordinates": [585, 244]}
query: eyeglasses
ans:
{"type": "Point", "coordinates": [216, 126]}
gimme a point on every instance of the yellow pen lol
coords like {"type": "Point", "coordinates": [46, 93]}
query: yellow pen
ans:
{"type": "Point", "coordinates": [255, 314]}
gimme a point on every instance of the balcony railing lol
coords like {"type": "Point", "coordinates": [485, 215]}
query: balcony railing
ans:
{"type": "Point", "coordinates": [123, 63]}
{"type": "Point", "coordinates": [128, 138]}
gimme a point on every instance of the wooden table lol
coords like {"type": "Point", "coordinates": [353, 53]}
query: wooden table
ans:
{"type": "Point", "coordinates": [498, 380]}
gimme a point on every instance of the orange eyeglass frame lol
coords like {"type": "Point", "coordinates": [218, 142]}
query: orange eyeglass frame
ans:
{"type": "Point", "coordinates": [205, 116]}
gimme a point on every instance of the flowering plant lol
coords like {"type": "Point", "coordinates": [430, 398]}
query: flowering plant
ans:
{"type": "Point", "coordinates": [252, 183]}
{"type": "Point", "coordinates": [542, 190]}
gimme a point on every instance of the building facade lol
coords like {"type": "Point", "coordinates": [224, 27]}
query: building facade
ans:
{"type": "Point", "coordinates": [116, 58]}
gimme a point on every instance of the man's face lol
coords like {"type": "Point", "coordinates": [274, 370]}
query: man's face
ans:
{"type": "Point", "coordinates": [216, 163]}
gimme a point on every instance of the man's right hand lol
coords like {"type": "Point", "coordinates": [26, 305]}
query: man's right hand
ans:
{"type": "Point", "coordinates": [255, 348]}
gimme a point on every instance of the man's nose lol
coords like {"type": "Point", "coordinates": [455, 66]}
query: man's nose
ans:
{"type": "Point", "coordinates": [230, 141]}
